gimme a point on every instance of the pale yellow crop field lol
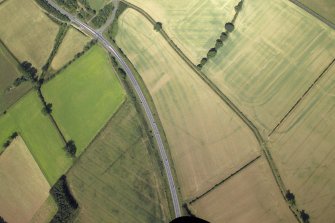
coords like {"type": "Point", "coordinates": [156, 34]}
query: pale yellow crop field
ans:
{"type": "Point", "coordinates": [304, 150]}
{"type": "Point", "coordinates": [207, 140]}
{"type": "Point", "coordinates": [27, 31]}
{"type": "Point", "coordinates": [194, 25]}
{"type": "Point", "coordinates": [23, 187]}
{"type": "Point", "coordinates": [250, 196]}
{"type": "Point", "coordinates": [275, 53]}
{"type": "Point", "coordinates": [73, 43]}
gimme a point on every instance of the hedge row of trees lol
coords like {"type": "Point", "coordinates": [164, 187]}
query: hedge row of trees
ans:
{"type": "Point", "coordinates": [103, 15]}
{"type": "Point", "coordinates": [290, 197]}
{"type": "Point", "coordinates": [10, 139]}
{"type": "Point", "coordinates": [44, 4]}
{"type": "Point", "coordinates": [67, 205]}
{"type": "Point", "coordinates": [223, 37]}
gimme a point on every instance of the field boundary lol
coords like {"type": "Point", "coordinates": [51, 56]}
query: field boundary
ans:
{"type": "Point", "coordinates": [263, 144]}
{"type": "Point", "coordinates": [134, 100]}
{"type": "Point", "coordinates": [302, 97]}
{"type": "Point", "coordinates": [225, 179]}
{"type": "Point", "coordinates": [313, 13]}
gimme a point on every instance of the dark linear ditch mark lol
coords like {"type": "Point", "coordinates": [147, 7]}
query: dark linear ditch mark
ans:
{"type": "Point", "coordinates": [302, 97]}
{"type": "Point", "coordinates": [225, 179]}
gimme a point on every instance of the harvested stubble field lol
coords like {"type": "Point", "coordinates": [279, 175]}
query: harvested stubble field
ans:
{"type": "Point", "coordinates": [46, 211]}
{"type": "Point", "coordinates": [84, 96]}
{"type": "Point", "coordinates": [194, 25]}
{"type": "Point", "coordinates": [73, 43]}
{"type": "Point", "coordinates": [275, 53]}
{"type": "Point", "coordinates": [23, 187]}
{"type": "Point", "coordinates": [27, 31]}
{"type": "Point", "coordinates": [207, 140]}
{"type": "Point", "coordinates": [325, 8]}
{"type": "Point", "coordinates": [39, 134]}
{"type": "Point", "coordinates": [250, 196]}
{"type": "Point", "coordinates": [118, 179]}
{"type": "Point", "coordinates": [303, 148]}
{"type": "Point", "coordinates": [9, 71]}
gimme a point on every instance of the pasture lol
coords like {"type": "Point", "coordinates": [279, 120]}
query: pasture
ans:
{"type": "Point", "coordinates": [275, 53]}
{"type": "Point", "coordinates": [303, 148]}
{"type": "Point", "coordinates": [84, 96]}
{"type": "Point", "coordinates": [325, 8]}
{"type": "Point", "coordinates": [73, 43]}
{"type": "Point", "coordinates": [23, 187]}
{"type": "Point", "coordinates": [9, 71]}
{"type": "Point", "coordinates": [250, 196]}
{"type": "Point", "coordinates": [97, 4]}
{"type": "Point", "coordinates": [207, 140]}
{"type": "Point", "coordinates": [27, 31]}
{"type": "Point", "coordinates": [194, 25]}
{"type": "Point", "coordinates": [39, 134]}
{"type": "Point", "coordinates": [118, 179]}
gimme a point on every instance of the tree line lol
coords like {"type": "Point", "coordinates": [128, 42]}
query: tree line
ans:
{"type": "Point", "coordinates": [44, 4]}
{"type": "Point", "coordinates": [67, 204]}
{"type": "Point", "coordinates": [229, 27]}
{"type": "Point", "coordinates": [103, 15]}
{"type": "Point", "coordinates": [10, 139]}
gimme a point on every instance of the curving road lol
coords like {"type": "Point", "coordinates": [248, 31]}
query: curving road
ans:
{"type": "Point", "coordinates": [140, 94]}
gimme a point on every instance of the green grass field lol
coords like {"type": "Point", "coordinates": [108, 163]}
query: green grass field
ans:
{"type": "Point", "coordinates": [98, 4]}
{"type": "Point", "coordinates": [84, 96]}
{"type": "Point", "coordinates": [39, 134]}
{"type": "Point", "coordinates": [9, 71]}
{"type": "Point", "coordinates": [117, 179]}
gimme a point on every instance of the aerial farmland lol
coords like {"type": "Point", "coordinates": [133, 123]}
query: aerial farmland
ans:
{"type": "Point", "coordinates": [152, 110]}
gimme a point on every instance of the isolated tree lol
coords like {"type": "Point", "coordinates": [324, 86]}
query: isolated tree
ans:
{"type": "Point", "coordinates": [218, 44]}
{"type": "Point", "coordinates": [71, 148]}
{"type": "Point", "coordinates": [229, 27]}
{"type": "Point", "coordinates": [304, 216]}
{"type": "Point", "coordinates": [158, 26]}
